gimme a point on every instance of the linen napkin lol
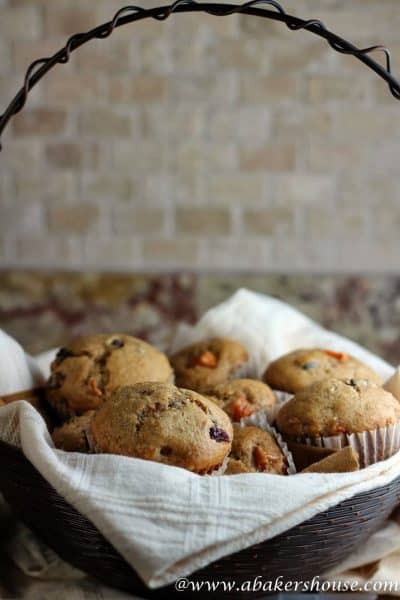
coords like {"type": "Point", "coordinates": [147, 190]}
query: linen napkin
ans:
{"type": "Point", "coordinates": [168, 522]}
{"type": "Point", "coordinates": [18, 370]}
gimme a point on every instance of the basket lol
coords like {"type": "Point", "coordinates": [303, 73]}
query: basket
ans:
{"type": "Point", "coordinates": [307, 550]}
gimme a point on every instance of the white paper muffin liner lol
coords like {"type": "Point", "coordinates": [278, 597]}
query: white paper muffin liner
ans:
{"type": "Point", "coordinates": [282, 397]}
{"type": "Point", "coordinates": [371, 446]}
{"type": "Point", "coordinates": [261, 419]}
{"type": "Point", "coordinates": [272, 412]}
{"type": "Point", "coordinates": [89, 440]}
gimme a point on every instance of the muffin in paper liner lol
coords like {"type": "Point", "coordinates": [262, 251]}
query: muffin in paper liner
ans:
{"type": "Point", "coordinates": [261, 419]}
{"type": "Point", "coordinates": [372, 446]}
{"type": "Point", "coordinates": [220, 470]}
{"type": "Point", "coordinates": [334, 413]}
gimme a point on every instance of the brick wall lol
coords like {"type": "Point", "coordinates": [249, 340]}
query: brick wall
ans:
{"type": "Point", "coordinates": [200, 143]}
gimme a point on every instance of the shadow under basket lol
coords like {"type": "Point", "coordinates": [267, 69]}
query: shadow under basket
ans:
{"type": "Point", "coordinates": [307, 550]}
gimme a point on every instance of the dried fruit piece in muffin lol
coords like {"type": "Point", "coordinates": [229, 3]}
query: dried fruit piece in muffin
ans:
{"type": "Point", "coordinates": [84, 374]}
{"type": "Point", "coordinates": [71, 436]}
{"type": "Point", "coordinates": [205, 364]}
{"type": "Point", "coordinates": [255, 451]}
{"type": "Point", "coordinates": [205, 359]}
{"type": "Point", "coordinates": [332, 406]}
{"type": "Point", "coordinates": [162, 423]}
{"type": "Point", "coordinates": [242, 397]}
{"type": "Point", "coordinates": [300, 368]}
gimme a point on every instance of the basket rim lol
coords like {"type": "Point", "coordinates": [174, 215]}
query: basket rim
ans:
{"type": "Point", "coordinates": [19, 455]}
{"type": "Point", "coordinates": [374, 507]}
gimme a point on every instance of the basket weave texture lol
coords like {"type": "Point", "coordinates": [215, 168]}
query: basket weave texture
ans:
{"type": "Point", "coordinates": [307, 550]}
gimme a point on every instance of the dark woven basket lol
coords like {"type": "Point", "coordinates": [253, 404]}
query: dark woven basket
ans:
{"type": "Point", "coordinates": [305, 551]}
{"type": "Point", "coordinates": [299, 554]}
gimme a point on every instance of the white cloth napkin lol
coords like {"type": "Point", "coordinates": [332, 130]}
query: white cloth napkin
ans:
{"type": "Point", "coordinates": [168, 522]}
{"type": "Point", "coordinates": [18, 371]}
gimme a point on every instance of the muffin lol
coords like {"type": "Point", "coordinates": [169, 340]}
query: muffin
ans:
{"type": "Point", "coordinates": [242, 397]}
{"type": "Point", "coordinates": [255, 451]}
{"type": "Point", "coordinates": [334, 413]}
{"type": "Point", "coordinates": [71, 436]}
{"type": "Point", "coordinates": [84, 374]}
{"type": "Point", "coordinates": [299, 369]}
{"type": "Point", "coordinates": [205, 364]}
{"type": "Point", "coordinates": [162, 423]}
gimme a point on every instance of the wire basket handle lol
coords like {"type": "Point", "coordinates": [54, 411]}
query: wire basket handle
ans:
{"type": "Point", "coordinates": [269, 9]}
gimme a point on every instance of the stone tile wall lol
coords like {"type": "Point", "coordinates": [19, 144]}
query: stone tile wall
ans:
{"type": "Point", "coordinates": [200, 143]}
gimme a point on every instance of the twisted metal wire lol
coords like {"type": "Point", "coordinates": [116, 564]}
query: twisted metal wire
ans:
{"type": "Point", "coordinates": [128, 14]}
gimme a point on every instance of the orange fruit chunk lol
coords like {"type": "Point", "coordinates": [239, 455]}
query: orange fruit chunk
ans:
{"type": "Point", "coordinates": [337, 355]}
{"type": "Point", "coordinates": [240, 408]}
{"type": "Point", "coordinates": [260, 458]}
{"type": "Point", "coordinates": [207, 359]}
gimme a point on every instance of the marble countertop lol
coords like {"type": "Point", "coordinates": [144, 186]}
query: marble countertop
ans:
{"type": "Point", "coordinates": [43, 310]}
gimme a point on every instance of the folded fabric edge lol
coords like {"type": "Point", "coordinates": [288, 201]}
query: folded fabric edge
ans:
{"type": "Point", "coordinates": [204, 327]}
{"type": "Point", "coordinates": [215, 552]}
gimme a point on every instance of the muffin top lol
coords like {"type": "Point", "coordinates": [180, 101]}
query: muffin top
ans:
{"type": "Point", "coordinates": [205, 364]}
{"type": "Point", "coordinates": [71, 436]}
{"type": "Point", "coordinates": [242, 397]}
{"type": "Point", "coordinates": [160, 422]}
{"type": "Point", "coordinates": [255, 451]}
{"type": "Point", "coordinates": [332, 406]}
{"type": "Point", "coordinates": [300, 368]}
{"type": "Point", "coordinates": [85, 372]}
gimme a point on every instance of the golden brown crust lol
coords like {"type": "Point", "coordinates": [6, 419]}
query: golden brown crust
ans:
{"type": "Point", "coordinates": [85, 373]}
{"type": "Point", "coordinates": [235, 467]}
{"type": "Point", "coordinates": [160, 422]}
{"type": "Point", "coordinates": [255, 451]}
{"type": "Point", "coordinates": [300, 368]}
{"type": "Point", "coordinates": [206, 364]}
{"type": "Point", "coordinates": [71, 436]}
{"type": "Point", "coordinates": [242, 397]}
{"type": "Point", "coordinates": [333, 406]}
